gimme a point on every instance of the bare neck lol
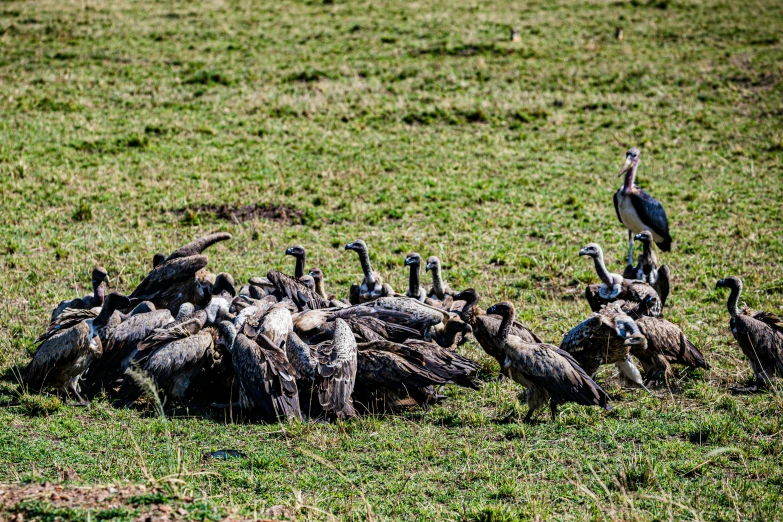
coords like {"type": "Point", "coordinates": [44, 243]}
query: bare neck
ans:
{"type": "Point", "coordinates": [319, 287]}
{"type": "Point", "coordinates": [733, 303]}
{"type": "Point", "coordinates": [414, 286]}
{"type": "Point", "coordinates": [300, 266]}
{"type": "Point", "coordinates": [364, 260]}
{"type": "Point", "coordinates": [505, 326]}
{"type": "Point", "coordinates": [437, 282]}
{"type": "Point", "coordinates": [600, 269]}
{"type": "Point", "coordinates": [630, 176]}
{"type": "Point", "coordinates": [98, 293]}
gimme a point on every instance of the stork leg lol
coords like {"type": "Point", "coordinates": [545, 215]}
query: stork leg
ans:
{"type": "Point", "coordinates": [630, 248]}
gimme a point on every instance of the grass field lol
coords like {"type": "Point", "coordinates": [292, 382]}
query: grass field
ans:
{"type": "Point", "coordinates": [133, 127]}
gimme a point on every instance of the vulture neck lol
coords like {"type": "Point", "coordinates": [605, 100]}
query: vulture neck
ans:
{"type": "Point", "coordinates": [437, 282]}
{"type": "Point", "coordinates": [300, 266]}
{"type": "Point", "coordinates": [630, 176]}
{"type": "Point", "coordinates": [469, 310]}
{"type": "Point", "coordinates": [505, 326]}
{"type": "Point", "coordinates": [601, 270]}
{"type": "Point", "coordinates": [414, 286]}
{"type": "Point", "coordinates": [98, 293]}
{"type": "Point", "coordinates": [734, 300]}
{"type": "Point", "coordinates": [319, 288]}
{"type": "Point", "coordinates": [449, 337]}
{"type": "Point", "coordinates": [364, 259]}
{"type": "Point", "coordinates": [648, 258]}
{"type": "Point", "coordinates": [102, 319]}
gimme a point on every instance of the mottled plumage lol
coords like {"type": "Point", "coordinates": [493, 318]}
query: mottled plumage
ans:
{"type": "Point", "coordinates": [603, 338]}
{"type": "Point", "coordinates": [759, 335]}
{"type": "Point", "coordinates": [62, 358]}
{"type": "Point", "coordinates": [647, 269]}
{"type": "Point", "coordinates": [287, 287]}
{"type": "Point", "coordinates": [547, 372]}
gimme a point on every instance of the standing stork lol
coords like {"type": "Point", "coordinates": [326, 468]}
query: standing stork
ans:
{"type": "Point", "coordinates": [638, 210]}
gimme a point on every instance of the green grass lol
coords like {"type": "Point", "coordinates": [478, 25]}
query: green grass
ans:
{"type": "Point", "coordinates": [415, 126]}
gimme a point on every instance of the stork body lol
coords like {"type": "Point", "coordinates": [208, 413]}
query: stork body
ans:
{"type": "Point", "coordinates": [638, 210]}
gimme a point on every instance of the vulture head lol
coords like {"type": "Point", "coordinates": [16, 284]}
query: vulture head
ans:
{"type": "Point", "coordinates": [185, 311]}
{"type": "Point", "coordinates": [224, 282]}
{"type": "Point", "coordinates": [308, 281]}
{"type": "Point", "coordinates": [296, 251]}
{"type": "Point", "coordinates": [357, 246]}
{"type": "Point", "coordinates": [592, 250]}
{"type": "Point", "coordinates": [471, 299]}
{"type": "Point", "coordinates": [732, 283]}
{"type": "Point", "coordinates": [228, 334]}
{"type": "Point", "coordinates": [433, 263]}
{"type": "Point", "coordinates": [116, 301]}
{"type": "Point", "coordinates": [99, 275]}
{"type": "Point", "coordinates": [317, 275]}
{"type": "Point", "coordinates": [413, 259]}
{"type": "Point", "coordinates": [158, 259]}
{"type": "Point", "coordinates": [645, 238]}
{"type": "Point", "coordinates": [503, 309]}
{"type": "Point", "coordinates": [636, 339]}
{"type": "Point", "coordinates": [631, 160]}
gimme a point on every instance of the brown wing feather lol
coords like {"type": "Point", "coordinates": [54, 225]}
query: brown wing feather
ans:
{"type": "Point", "coordinates": [293, 289]}
{"type": "Point", "coordinates": [167, 275]}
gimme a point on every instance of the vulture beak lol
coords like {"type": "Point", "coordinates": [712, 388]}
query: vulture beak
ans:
{"type": "Point", "coordinates": [638, 237]}
{"type": "Point", "coordinates": [720, 283]}
{"type": "Point", "coordinates": [289, 251]}
{"type": "Point", "coordinates": [583, 252]}
{"type": "Point", "coordinates": [349, 246]}
{"type": "Point", "coordinates": [626, 166]}
{"type": "Point", "coordinates": [429, 267]}
{"type": "Point", "coordinates": [410, 260]}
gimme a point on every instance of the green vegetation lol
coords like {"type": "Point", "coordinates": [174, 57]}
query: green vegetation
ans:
{"type": "Point", "coordinates": [133, 127]}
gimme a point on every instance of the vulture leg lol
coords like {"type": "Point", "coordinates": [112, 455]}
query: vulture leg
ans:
{"type": "Point", "coordinates": [81, 401]}
{"type": "Point", "coordinates": [529, 417]}
{"type": "Point", "coordinates": [656, 377]}
{"type": "Point", "coordinates": [630, 247]}
{"type": "Point", "coordinates": [553, 410]}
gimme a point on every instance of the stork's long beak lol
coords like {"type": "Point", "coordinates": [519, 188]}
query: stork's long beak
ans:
{"type": "Point", "coordinates": [626, 166]}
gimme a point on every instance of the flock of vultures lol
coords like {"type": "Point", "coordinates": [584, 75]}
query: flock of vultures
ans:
{"type": "Point", "coordinates": [282, 347]}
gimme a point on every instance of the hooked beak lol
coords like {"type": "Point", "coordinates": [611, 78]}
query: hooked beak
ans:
{"type": "Point", "coordinates": [349, 246]}
{"type": "Point", "coordinates": [720, 283]}
{"type": "Point", "coordinates": [583, 252]}
{"type": "Point", "coordinates": [430, 266]}
{"type": "Point", "coordinates": [289, 251]}
{"type": "Point", "coordinates": [626, 166]}
{"type": "Point", "coordinates": [409, 261]}
{"type": "Point", "coordinates": [638, 237]}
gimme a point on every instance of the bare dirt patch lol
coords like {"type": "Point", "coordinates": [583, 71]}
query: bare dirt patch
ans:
{"type": "Point", "coordinates": [282, 213]}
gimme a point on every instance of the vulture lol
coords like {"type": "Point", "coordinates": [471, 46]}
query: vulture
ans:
{"type": "Point", "coordinates": [615, 288]}
{"type": "Point", "coordinates": [647, 268]}
{"type": "Point", "coordinates": [267, 380]}
{"type": "Point", "coordinates": [606, 337]}
{"type": "Point", "coordinates": [121, 347]}
{"type": "Point", "coordinates": [328, 369]}
{"type": "Point", "coordinates": [440, 291]}
{"type": "Point", "coordinates": [372, 285]}
{"type": "Point", "coordinates": [414, 291]}
{"type": "Point", "coordinates": [759, 335]}
{"type": "Point", "coordinates": [99, 277]}
{"type": "Point", "coordinates": [292, 288]}
{"type": "Point", "coordinates": [62, 358]}
{"type": "Point", "coordinates": [390, 376]}
{"type": "Point", "coordinates": [172, 357]}
{"type": "Point", "coordinates": [548, 373]}
{"type": "Point", "coordinates": [486, 328]}
{"type": "Point", "coordinates": [179, 280]}
{"type": "Point", "coordinates": [299, 253]}
{"type": "Point", "coordinates": [639, 211]}
{"type": "Point", "coordinates": [309, 282]}
{"type": "Point", "coordinates": [666, 345]}
{"type": "Point", "coordinates": [318, 277]}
